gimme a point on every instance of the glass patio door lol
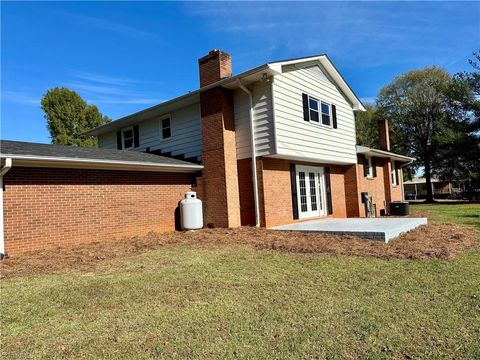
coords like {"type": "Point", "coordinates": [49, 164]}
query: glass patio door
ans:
{"type": "Point", "coordinates": [310, 192]}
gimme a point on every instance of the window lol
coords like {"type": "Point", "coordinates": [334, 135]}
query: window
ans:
{"type": "Point", "coordinates": [394, 174]}
{"type": "Point", "coordinates": [166, 128]}
{"type": "Point", "coordinates": [127, 138]}
{"type": "Point", "coordinates": [317, 111]}
{"type": "Point", "coordinates": [313, 109]}
{"type": "Point", "coordinates": [325, 114]}
{"type": "Point", "coordinates": [369, 169]}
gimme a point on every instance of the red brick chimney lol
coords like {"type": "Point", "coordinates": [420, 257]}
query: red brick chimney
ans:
{"type": "Point", "coordinates": [219, 149]}
{"type": "Point", "coordinates": [215, 66]}
{"type": "Point", "coordinates": [383, 135]}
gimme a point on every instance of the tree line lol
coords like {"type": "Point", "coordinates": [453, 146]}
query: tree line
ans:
{"type": "Point", "coordinates": [434, 117]}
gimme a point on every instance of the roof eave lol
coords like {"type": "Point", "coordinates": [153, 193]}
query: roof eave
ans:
{"type": "Point", "coordinates": [230, 83]}
{"type": "Point", "coordinates": [78, 163]}
{"type": "Point", "coordinates": [382, 153]}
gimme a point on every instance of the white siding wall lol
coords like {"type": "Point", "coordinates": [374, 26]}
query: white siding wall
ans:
{"type": "Point", "coordinates": [263, 115]}
{"type": "Point", "coordinates": [186, 134]}
{"type": "Point", "coordinates": [297, 138]}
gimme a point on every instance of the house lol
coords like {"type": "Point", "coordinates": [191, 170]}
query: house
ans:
{"type": "Point", "coordinates": [294, 118]}
{"type": "Point", "coordinates": [417, 189]}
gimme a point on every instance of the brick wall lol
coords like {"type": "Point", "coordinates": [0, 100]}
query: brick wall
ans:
{"type": "Point", "coordinates": [352, 195]}
{"type": "Point", "coordinates": [380, 187]}
{"type": "Point", "coordinates": [275, 191]}
{"type": "Point", "coordinates": [46, 208]}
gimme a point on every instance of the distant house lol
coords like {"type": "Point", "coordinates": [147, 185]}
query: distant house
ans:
{"type": "Point", "coordinates": [295, 118]}
{"type": "Point", "coordinates": [417, 188]}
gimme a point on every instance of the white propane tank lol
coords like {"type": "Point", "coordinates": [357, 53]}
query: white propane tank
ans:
{"type": "Point", "coordinates": [191, 213]}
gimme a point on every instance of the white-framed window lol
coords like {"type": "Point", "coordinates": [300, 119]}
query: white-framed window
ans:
{"type": "Point", "coordinates": [319, 112]}
{"type": "Point", "coordinates": [128, 141]}
{"type": "Point", "coordinates": [370, 171]}
{"type": "Point", "coordinates": [313, 109]}
{"type": "Point", "coordinates": [326, 114]}
{"type": "Point", "coordinates": [394, 174]}
{"type": "Point", "coordinates": [166, 128]}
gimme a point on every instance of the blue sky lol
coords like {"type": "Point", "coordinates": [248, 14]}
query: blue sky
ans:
{"type": "Point", "coordinates": [124, 56]}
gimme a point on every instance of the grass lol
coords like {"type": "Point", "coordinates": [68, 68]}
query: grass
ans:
{"type": "Point", "coordinates": [460, 213]}
{"type": "Point", "coordinates": [235, 301]}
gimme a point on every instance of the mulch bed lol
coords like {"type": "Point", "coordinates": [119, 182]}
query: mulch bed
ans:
{"type": "Point", "coordinates": [440, 241]}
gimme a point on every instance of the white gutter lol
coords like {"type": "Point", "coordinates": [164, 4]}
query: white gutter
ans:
{"type": "Point", "coordinates": [5, 169]}
{"type": "Point", "coordinates": [42, 161]}
{"type": "Point", "coordinates": [254, 153]}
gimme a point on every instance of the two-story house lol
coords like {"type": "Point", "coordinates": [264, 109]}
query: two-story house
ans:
{"type": "Point", "coordinates": [296, 118]}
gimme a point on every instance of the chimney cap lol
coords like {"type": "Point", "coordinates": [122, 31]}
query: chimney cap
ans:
{"type": "Point", "coordinates": [213, 53]}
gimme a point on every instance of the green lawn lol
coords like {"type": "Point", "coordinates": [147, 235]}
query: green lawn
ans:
{"type": "Point", "coordinates": [186, 301]}
{"type": "Point", "coordinates": [464, 214]}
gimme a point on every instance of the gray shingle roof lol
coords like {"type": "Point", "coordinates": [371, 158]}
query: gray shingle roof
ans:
{"type": "Point", "coordinates": [20, 148]}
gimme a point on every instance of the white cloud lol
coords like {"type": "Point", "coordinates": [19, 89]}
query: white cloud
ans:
{"type": "Point", "coordinates": [108, 25]}
{"type": "Point", "coordinates": [107, 89]}
{"type": "Point", "coordinates": [20, 97]}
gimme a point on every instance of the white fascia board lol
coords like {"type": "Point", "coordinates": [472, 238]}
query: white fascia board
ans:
{"type": "Point", "coordinates": [381, 153]}
{"type": "Point", "coordinates": [332, 71]}
{"type": "Point", "coordinates": [340, 81]}
{"type": "Point", "coordinates": [72, 163]}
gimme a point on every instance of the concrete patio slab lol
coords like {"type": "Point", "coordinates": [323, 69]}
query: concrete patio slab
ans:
{"type": "Point", "coordinates": [383, 229]}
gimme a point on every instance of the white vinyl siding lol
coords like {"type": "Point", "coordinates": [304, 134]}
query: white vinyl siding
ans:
{"type": "Point", "coordinates": [108, 140]}
{"type": "Point", "coordinates": [186, 134]}
{"type": "Point", "coordinates": [263, 115]}
{"type": "Point", "coordinates": [301, 139]}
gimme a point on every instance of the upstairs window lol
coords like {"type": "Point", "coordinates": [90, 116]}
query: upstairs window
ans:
{"type": "Point", "coordinates": [313, 109]}
{"type": "Point", "coordinates": [127, 138]}
{"type": "Point", "coordinates": [319, 112]}
{"type": "Point", "coordinates": [166, 128]}
{"type": "Point", "coordinates": [326, 114]}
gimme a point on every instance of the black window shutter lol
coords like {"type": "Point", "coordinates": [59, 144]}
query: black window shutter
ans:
{"type": "Point", "coordinates": [305, 107]}
{"type": "Point", "coordinates": [365, 167]}
{"type": "Point", "coordinates": [374, 167]}
{"type": "Point", "coordinates": [293, 186]}
{"type": "Point", "coordinates": [328, 189]}
{"type": "Point", "coordinates": [136, 137]}
{"type": "Point", "coordinates": [119, 140]}
{"type": "Point", "coordinates": [334, 116]}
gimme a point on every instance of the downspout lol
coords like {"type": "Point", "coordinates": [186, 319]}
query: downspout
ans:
{"type": "Point", "coordinates": [5, 169]}
{"type": "Point", "coordinates": [254, 153]}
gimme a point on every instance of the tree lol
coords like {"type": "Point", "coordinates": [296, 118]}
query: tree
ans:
{"type": "Point", "coordinates": [69, 116]}
{"type": "Point", "coordinates": [366, 124]}
{"type": "Point", "coordinates": [422, 120]}
{"type": "Point", "coordinates": [460, 158]}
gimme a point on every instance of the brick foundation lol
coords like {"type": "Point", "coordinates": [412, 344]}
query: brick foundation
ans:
{"type": "Point", "coordinates": [46, 208]}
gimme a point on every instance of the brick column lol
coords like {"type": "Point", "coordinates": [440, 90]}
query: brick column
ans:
{"type": "Point", "coordinates": [220, 177]}
{"type": "Point", "coordinates": [219, 150]}
{"type": "Point", "coordinates": [352, 194]}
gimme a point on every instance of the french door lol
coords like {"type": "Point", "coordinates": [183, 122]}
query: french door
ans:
{"type": "Point", "coordinates": [310, 191]}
